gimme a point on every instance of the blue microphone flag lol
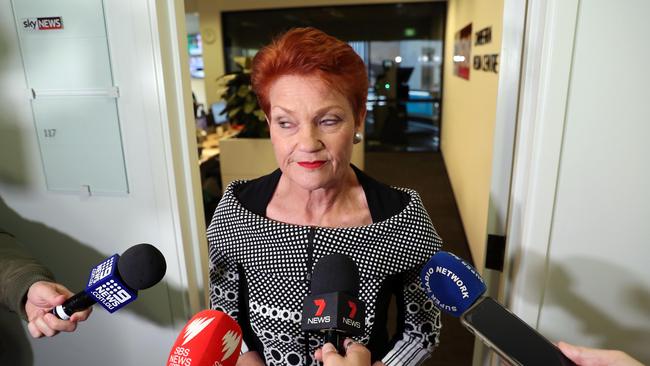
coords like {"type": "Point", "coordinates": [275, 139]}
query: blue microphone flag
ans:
{"type": "Point", "coordinates": [106, 286]}
{"type": "Point", "coordinates": [452, 284]}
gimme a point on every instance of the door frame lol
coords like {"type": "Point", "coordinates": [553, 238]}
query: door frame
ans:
{"type": "Point", "coordinates": [505, 128]}
{"type": "Point", "coordinates": [174, 93]}
{"type": "Point", "coordinates": [546, 74]}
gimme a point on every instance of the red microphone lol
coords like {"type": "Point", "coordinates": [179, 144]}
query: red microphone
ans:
{"type": "Point", "coordinates": [210, 338]}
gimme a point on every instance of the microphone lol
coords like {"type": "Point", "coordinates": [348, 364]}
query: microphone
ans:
{"type": "Point", "coordinates": [332, 306]}
{"type": "Point", "coordinates": [210, 338]}
{"type": "Point", "coordinates": [115, 282]}
{"type": "Point", "coordinates": [452, 284]}
{"type": "Point", "coordinates": [456, 288]}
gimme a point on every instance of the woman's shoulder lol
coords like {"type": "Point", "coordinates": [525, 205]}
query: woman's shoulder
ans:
{"type": "Point", "coordinates": [254, 195]}
{"type": "Point", "coordinates": [383, 200]}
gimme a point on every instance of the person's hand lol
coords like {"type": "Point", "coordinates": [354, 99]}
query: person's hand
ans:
{"type": "Point", "coordinates": [42, 296]}
{"type": "Point", "coordinates": [250, 358]}
{"type": "Point", "coordinates": [584, 356]}
{"type": "Point", "coordinates": [355, 355]}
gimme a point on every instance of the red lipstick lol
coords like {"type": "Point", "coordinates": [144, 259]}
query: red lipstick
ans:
{"type": "Point", "coordinates": [311, 164]}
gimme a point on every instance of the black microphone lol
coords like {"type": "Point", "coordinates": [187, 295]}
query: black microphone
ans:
{"type": "Point", "coordinates": [115, 282]}
{"type": "Point", "coordinates": [332, 306]}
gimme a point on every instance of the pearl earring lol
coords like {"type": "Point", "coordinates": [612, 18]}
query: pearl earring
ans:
{"type": "Point", "coordinates": [358, 137]}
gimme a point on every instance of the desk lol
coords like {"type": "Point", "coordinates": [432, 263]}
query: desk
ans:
{"type": "Point", "coordinates": [210, 146]}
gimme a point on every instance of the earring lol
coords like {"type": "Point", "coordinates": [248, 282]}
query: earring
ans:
{"type": "Point", "coordinates": [358, 137]}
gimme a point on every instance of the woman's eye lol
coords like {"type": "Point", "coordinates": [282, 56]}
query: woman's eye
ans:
{"type": "Point", "coordinates": [284, 124]}
{"type": "Point", "coordinates": [329, 122]}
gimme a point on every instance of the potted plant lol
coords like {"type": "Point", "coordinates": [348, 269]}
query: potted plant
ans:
{"type": "Point", "coordinates": [242, 109]}
{"type": "Point", "coordinates": [250, 154]}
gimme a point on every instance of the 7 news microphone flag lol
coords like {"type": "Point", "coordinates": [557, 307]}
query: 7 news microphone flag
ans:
{"type": "Point", "coordinates": [333, 306]}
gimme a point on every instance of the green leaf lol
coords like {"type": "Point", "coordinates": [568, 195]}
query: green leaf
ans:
{"type": "Point", "coordinates": [233, 112]}
{"type": "Point", "coordinates": [249, 107]}
{"type": "Point", "coordinates": [243, 90]}
{"type": "Point", "coordinates": [260, 115]}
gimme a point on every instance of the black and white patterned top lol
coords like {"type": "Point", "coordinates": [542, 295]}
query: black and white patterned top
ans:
{"type": "Point", "coordinates": [259, 275]}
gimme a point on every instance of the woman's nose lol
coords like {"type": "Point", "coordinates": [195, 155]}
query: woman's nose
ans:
{"type": "Point", "coordinates": [309, 139]}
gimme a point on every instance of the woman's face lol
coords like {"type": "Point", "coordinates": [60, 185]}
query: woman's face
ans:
{"type": "Point", "coordinates": [312, 127]}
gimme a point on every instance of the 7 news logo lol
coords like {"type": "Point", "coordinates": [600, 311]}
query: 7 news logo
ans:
{"type": "Point", "coordinates": [46, 23]}
{"type": "Point", "coordinates": [318, 317]}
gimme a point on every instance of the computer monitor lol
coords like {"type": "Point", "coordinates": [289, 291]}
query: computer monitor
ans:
{"type": "Point", "coordinates": [216, 110]}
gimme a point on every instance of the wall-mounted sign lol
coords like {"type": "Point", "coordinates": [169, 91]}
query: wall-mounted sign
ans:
{"type": "Point", "coordinates": [40, 24]}
{"type": "Point", "coordinates": [462, 51]}
{"type": "Point", "coordinates": [487, 62]}
{"type": "Point", "coordinates": [484, 36]}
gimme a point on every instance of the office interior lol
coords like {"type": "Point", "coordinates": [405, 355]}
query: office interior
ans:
{"type": "Point", "coordinates": [530, 144]}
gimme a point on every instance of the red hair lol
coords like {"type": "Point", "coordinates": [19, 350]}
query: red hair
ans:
{"type": "Point", "coordinates": [307, 52]}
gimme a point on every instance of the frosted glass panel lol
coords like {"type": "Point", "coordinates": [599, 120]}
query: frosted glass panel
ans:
{"type": "Point", "coordinates": [80, 143]}
{"type": "Point", "coordinates": [67, 65]}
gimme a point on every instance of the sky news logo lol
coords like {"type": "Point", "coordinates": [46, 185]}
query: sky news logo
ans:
{"type": "Point", "coordinates": [47, 23]}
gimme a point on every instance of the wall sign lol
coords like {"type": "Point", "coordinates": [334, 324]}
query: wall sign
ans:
{"type": "Point", "coordinates": [487, 62]}
{"type": "Point", "coordinates": [462, 51]}
{"type": "Point", "coordinates": [484, 36]}
{"type": "Point", "coordinates": [42, 24]}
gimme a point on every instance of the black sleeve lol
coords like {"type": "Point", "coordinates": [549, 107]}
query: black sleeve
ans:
{"type": "Point", "coordinates": [419, 324]}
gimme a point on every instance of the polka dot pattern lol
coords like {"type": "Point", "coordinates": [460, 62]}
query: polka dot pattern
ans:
{"type": "Point", "coordinates": [274, 258]}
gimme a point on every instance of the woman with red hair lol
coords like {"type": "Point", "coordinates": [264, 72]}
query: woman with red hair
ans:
{"type": "Point", "coordinates": [267, 234]}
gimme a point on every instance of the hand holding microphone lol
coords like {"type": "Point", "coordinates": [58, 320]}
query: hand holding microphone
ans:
{"type": "Point", "coordinates": [456, 288]}
{"type": "Point", "coordinates": [115, 282]}
{"type": "Point", "coordinates": [45, 295]}
{"type": "Point", "coordinates": [355, 355]}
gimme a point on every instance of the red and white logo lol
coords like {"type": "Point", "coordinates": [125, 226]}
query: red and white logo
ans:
{"type": "Point", "coordinates": [321, 306]}
{"type": "Point", "coordinates": [46, 23]}
{"type": "Point", "coordinates": [230, 342]}
{"type": "Point", "coordinates": [194, 328]}
{"type": "Point", "coordinates": [353, 309]}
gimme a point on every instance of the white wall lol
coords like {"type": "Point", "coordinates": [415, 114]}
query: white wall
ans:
{"type": "Point", "coordinates": [71, 233]}
{"type": "Point", "coordinates": [580, 248]}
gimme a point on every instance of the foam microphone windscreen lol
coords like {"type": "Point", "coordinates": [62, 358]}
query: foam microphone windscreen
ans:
{"type": "Point", "coordinates": [142, 266]}
{"type": "Point", "coordinates": [210, 338]}
{"type": "Point", "coordinates": [452, 284]}
{"type": "Point", "coordinates": [335, 273]}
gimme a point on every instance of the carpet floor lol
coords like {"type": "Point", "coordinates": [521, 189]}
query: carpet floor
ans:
{"type": "Point", "coordinates": [425, 172]}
